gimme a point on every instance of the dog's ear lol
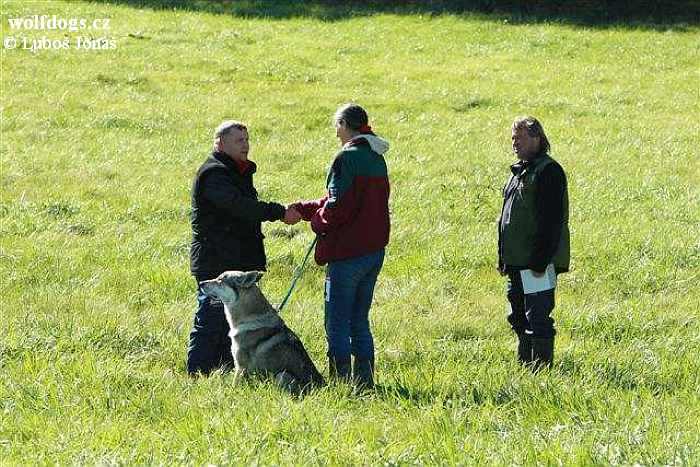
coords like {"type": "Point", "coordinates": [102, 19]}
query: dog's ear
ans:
{"type": "Point", "coordinates": [247, 279]}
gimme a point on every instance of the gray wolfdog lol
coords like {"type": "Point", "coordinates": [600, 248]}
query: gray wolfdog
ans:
{"type": "Point", "coordinates": [260, 341]}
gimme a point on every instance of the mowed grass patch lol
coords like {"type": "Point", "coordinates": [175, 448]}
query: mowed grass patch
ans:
{"type": "Point", "coordinates": [99, 150]}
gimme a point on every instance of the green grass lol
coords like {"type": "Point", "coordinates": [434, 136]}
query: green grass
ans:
{"type": "Point", "coordinates": [98, 153]}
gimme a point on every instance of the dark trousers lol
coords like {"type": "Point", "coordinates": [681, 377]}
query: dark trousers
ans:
{"type": "Point", "coordinates": [210, 346]}
{"type": "Point", "coordinates": [529, 312]}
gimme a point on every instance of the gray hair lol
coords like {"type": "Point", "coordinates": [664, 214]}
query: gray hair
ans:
{"type": "Point", "coordinates": [352, 114]}
{"type": "Point", "coordinates": [534, 129]}
{"type": "Point", "coordinates": [225, 128]}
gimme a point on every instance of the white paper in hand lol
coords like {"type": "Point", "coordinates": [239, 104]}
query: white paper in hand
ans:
{"type": "Point", "coordinates": [532, 284]}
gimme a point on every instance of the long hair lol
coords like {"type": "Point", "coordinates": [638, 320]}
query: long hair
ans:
{"type": "Point", "coordinates": [533, 128]}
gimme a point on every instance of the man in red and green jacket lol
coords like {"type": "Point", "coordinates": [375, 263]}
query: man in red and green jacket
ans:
{"type": "Point", "coordinates": [352, 224]}
{"type": "Point", "coordinates": [353, 218]}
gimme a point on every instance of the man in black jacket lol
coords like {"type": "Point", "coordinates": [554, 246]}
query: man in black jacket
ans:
{"type": "Point", "coordinates": [226, 235]}
{"type": "Point", "coordinates": [533, 233]}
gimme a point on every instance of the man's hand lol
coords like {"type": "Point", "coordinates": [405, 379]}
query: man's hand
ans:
{"type": "Point", "coordinates": [291, 216]}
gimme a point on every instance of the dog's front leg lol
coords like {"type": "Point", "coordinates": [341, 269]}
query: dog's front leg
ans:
{"type": "Point", "coordinates": [289, 382]}
{"type": "Point", "coordinates": [238, 375]}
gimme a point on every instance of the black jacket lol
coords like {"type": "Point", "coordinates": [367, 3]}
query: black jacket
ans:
{"type": "Point", "coordinates": [551, 191]}
{"type": "Point", "coordinates": [226, 217]}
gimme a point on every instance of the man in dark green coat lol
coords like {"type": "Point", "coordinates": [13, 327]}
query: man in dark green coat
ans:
{"type": "Point", "coordinates": [533, 233]}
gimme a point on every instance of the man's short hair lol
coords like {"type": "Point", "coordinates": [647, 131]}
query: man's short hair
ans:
{"type": "Point", "coordinates": [533, 128]}
{"type": "Point", "coordinates": [226, 126]}
{"type": "Point", "coordinates": [352, 114]}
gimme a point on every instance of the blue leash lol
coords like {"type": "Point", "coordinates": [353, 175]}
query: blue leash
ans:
{"type": "Point", "coordinates": [298, 274]}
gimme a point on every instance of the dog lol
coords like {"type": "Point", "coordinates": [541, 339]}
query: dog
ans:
{"type": "Point", "coordinates": [261, 343]}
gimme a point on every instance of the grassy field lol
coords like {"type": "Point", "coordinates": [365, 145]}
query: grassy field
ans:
{"type": "Point", "coordinates": [99, 149]}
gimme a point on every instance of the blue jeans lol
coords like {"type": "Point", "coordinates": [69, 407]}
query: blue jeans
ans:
{"type": "Point", "coordinates": [529, 313]}
{"type": "Point", "coordinates": [348, 298]}
{"type": "Point", "coordinates": [210, 346]}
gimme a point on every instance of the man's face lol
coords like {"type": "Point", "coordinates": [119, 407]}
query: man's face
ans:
{"type": "Point", "coordinates": [342, 132]}
{"type": "Point", "coordinates": [524, 145]}
{"type": "Point", "coordinates": [235, 144]}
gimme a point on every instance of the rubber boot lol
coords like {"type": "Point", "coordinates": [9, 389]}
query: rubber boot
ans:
{"type": "Point", "coordinates": [363, 373]}
{"type": "Point", "coordinates": [339, 369]}
{"type": "Point", "coordinates": [542, 352]}
{"type": "Point", "coordinates": [525, 348]}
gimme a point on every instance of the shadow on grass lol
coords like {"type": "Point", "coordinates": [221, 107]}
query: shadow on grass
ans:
{"type": "Point", "coordinates": [410, 395]}
{"type": "Point", "coordinates": [631, 375]}
{"type": "Point", "coordinates": [474, 396]}
{"type": "Point", "coordinates": [645, 14]}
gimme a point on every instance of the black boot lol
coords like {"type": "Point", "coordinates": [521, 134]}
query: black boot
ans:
{"type": "Point", "coordinates": [363, 373]}
{"type": "Point", "coordinates": [524, 348]}
{"type": "Point", "coordinates": [542, 352]}
{"type": "Point", "coordinates": [339, 368]}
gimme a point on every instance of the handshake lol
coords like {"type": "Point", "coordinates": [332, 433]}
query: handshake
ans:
{"type": "Point", "coordinates": [291, 215]}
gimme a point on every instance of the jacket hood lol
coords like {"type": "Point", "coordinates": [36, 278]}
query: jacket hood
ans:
{"type": "Point", "coordinates": [377, 144]}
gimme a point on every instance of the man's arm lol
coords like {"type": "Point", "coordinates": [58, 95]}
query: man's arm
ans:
{"type": "Point", "coordinates": [337, 207]}
{"type": "Point", "coordinates": [549, 204]}
{"type": "Point", "coordinates": [307, 209]}
{"type": "Point", "coordinates": [225, 195]}
{"type": "Point", "coordinates": [501, 267]}
{"type": "Point", "coordinates": [341, 205]}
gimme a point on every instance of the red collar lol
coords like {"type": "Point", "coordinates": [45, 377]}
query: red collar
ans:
{"type": "Point", "coordinates": [242, 166]}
